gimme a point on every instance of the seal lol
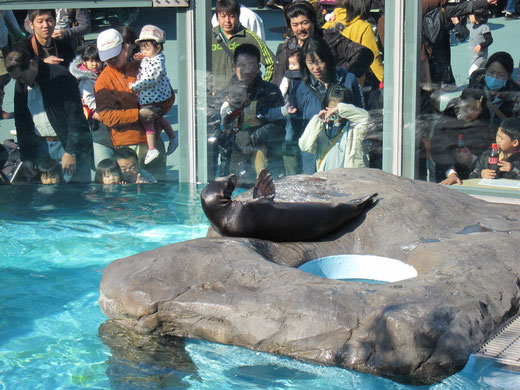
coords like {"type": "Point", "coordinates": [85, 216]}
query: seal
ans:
{"type": "Point", "coordinates": [265, 219]}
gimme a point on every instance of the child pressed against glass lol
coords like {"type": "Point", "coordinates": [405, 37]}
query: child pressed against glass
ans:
{"type": "Point", "coordinates": [126, 158]}
{"type": "Point", "coordinates": [153, 86]}
{"type": "Point", "coordinates": [50, 171]}
{"type": "Point", "coordinates": [108, 172]}
{"type": "Point", "coordinates": [508, 142]}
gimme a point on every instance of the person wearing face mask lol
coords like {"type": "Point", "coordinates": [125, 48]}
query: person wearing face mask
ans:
{"type": "Point", "coordinates": [460, 135]}
{"type": "Point", "coordinates": [503, 94]}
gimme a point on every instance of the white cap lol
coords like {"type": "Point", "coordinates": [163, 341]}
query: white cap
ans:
{"type": "Point", "coordinates": [151, 33]}
{"type": "Point", "coordinates": [109, 44]}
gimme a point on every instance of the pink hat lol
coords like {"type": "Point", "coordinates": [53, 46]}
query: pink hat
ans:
{"type": "Point", "coordinates": [151, 33]}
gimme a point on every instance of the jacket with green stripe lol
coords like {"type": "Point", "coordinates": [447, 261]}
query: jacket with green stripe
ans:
{"type": "Point", "coordinates": [222, 63]}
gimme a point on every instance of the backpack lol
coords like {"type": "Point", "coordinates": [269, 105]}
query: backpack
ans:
{"type": "Point", "coordinates": [434, 22]}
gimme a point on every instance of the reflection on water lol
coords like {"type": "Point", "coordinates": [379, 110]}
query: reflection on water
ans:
{"type": "Point", "coordinates": [145, 362]}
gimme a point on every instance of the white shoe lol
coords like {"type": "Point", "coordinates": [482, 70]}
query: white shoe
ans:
{"type": "Point", "coordinates": [174, 143]}
{"type": "Point", "coordinates": [151, 155]}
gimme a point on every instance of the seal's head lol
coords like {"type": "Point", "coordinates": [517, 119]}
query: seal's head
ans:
{"type": "Point", "coordinates": [230, 183]}
{"type": "Point", "coordinates": [218, 191]}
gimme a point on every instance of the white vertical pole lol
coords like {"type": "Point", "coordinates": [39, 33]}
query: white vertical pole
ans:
{"type": "Point", "coordinates": [190, 93]}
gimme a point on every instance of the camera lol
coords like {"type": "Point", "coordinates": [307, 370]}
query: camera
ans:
{"type": "Point", "coordinates": [333, 118]}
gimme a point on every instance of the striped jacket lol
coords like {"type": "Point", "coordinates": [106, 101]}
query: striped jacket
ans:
{"type": "Point", "coordinates": [222, 63]}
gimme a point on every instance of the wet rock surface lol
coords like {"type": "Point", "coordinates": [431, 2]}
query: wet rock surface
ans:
{"type": "Point", "coordinates": [248, 292]}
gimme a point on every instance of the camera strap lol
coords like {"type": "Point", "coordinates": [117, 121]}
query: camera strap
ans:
{"type": "Point", "coordinates": [222, 42]}
{"type": "Point", "coordinates": [332, 143]}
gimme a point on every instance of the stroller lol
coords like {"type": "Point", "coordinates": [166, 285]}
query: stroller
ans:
{"type": "Point", "coordinates": [10, 162]}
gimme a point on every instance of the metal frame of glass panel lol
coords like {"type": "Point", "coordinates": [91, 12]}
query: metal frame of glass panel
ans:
{"type": "Point", "coordinates": [12, 5]}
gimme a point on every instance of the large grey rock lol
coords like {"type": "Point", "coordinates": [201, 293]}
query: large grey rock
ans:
{"type": "Point", "coordinates": [249, 293]}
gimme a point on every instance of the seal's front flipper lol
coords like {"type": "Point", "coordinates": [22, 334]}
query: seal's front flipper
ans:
{"type": "Point", "coordinates": [264, 187]}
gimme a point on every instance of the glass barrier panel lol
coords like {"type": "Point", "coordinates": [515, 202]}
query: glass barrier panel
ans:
{"type": "Point", "coordinates": [469, 91]}
{"type": "Point", "coordinates": [314, 115]}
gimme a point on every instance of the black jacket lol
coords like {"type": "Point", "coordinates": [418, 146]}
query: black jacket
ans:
{"type": "Point", "coordinates": [62, 104]}
{"type": "Point", "coordinates": [482, 163]}
{"type": "Point", "coordinates": [64, 50]}
{"type": "Point", "coordinates": [349, 55]}
{"type": "Point", "coordinates": [477, 135]}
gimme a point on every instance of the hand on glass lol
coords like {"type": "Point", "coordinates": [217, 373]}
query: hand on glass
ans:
{"type": "Point", "coordinates": [140, 180]}
{"type": "Point", "coordinates": [68, 163]}
{"type": "Point", "coordinates": [451, 179]}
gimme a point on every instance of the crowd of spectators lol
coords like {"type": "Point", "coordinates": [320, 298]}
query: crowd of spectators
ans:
{"type": "Point", "coordinates": [95, 112]}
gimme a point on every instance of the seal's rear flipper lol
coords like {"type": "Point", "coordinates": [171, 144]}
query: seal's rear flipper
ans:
{"type": "Point", "coordinates": [264, 187]}
{"type": "Point", "coordinates": [364, 202]}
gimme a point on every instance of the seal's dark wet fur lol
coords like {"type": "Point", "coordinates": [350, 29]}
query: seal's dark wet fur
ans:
{"type": "Point", "coordinates": [265, 219]}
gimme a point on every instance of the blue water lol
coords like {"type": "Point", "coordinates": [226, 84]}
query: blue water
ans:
{"type": "Point", "coordinates": [56, 241]}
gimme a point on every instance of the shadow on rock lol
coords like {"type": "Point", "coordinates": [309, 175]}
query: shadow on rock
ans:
{"type": "Point", "coordinates": [145, 361]}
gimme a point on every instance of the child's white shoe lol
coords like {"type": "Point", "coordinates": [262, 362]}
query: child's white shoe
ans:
{"type": "Point", "coordinates": [151, 155]}
{"type": "Point", "coordinates": [174, 143]}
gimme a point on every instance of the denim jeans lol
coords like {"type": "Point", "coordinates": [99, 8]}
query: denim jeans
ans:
{"type": "Point", "coordinates": [511, 5]}
{"type": "Point", "coordinates": [103, 147]}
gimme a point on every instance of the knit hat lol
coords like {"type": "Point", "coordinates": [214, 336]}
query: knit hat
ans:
{"type": "Point", "coordinates": [151, 33]}
{"type": "Point", "coordinates": [109, 44]}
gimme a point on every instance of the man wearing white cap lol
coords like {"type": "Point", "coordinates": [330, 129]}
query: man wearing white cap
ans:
{"type": "Point", "coordinates": [118, 106]}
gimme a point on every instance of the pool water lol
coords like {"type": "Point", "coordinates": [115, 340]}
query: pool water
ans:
{"type": "Point", "coordinates": [56, 241]}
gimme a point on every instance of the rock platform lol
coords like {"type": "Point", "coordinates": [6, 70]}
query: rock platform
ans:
{"type": "Point", "coordinates": [249, 292]}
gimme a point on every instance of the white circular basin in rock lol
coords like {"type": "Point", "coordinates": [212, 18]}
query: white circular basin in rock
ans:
{"type": "Point", "coordinates": [364, 267]}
